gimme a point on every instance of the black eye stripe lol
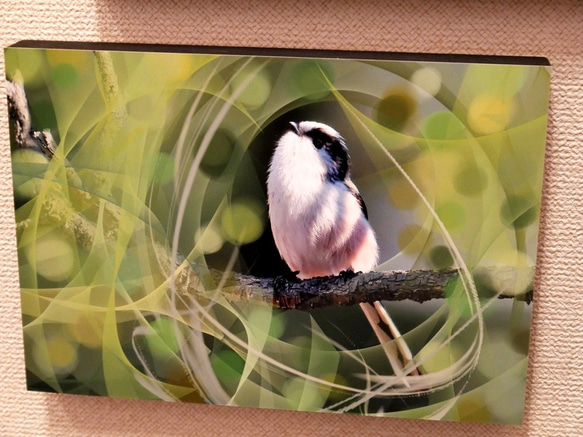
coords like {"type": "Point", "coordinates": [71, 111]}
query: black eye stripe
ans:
{"type": "Point", "coordinates": [339, 155]}
{"type": "Point", "coordinates": [336, 149]}
{"type": "Point", "coordinates": [319, 138]}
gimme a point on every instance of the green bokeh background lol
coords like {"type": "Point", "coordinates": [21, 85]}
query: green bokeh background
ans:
{"type": "Point", "coordinates": [161, 161]}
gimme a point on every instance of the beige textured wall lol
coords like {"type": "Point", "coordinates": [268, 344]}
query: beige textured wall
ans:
{"type": "Point", "coordinates": [546, 28]}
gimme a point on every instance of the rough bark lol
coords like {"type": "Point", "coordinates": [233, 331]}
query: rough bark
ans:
{"type": "Point", "coordinates": [417, 285]}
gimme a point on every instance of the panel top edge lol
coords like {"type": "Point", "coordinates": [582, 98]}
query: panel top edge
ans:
{"type": "Point", "coordinates": [285, 52]}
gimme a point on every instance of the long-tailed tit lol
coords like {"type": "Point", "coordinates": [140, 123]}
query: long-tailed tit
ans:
{"type": "Point", "coordinates": [318, 218]}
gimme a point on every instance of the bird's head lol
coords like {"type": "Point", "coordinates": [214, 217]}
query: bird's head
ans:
{"type": "Point", "coordinates": [328, 145]}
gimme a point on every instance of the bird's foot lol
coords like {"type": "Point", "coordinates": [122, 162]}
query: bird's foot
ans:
{"type": "Point", "coordinates": [348, 274]}
{"type": "Point", "coordinates": [281, 283]}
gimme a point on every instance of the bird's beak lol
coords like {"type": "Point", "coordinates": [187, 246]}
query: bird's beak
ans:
{"type": "Point", "coordinates": [295, 127]}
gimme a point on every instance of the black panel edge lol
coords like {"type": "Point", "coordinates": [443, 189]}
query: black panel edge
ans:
{"type": "Point", "coordinates": [285, 52]}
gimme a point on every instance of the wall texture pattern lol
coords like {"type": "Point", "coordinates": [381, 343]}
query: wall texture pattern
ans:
{"type": "Point", "coordinates": [538, 28]}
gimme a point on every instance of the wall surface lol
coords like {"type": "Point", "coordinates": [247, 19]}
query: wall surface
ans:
{"type": "Point", "coordinates": [539, 28]}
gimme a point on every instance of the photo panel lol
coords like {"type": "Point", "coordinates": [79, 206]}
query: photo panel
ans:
{"type": "Point", "coordinates": [343, 232]}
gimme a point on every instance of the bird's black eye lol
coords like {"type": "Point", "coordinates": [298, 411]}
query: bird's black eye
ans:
{"type": "Point", "coordinates": [318, 143]}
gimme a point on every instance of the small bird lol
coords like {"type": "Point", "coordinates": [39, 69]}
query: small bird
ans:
{"type": "Point", "coordinates": [318, 218]}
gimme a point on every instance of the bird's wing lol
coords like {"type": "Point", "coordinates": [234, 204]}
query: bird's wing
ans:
{"type": "Point", "coordinates": [354, 191]}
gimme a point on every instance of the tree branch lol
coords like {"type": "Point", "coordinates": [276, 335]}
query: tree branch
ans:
{"type": "Point", "coordinates": [319, 292]}
{"type": "Point", "coordinates": [25, 135]}
{"type": "Point", "coordinates": [417, 285]}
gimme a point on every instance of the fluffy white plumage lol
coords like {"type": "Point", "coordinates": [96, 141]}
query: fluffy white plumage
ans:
{"type": "Point", "coordinates": [317, 216]}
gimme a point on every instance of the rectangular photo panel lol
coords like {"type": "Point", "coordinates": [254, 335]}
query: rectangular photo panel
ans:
{"type": "Point", "coordinates": [342, 232]}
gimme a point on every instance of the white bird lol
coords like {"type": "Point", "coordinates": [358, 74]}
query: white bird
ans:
{"type": "Point", "coordinates": [318, 218]}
